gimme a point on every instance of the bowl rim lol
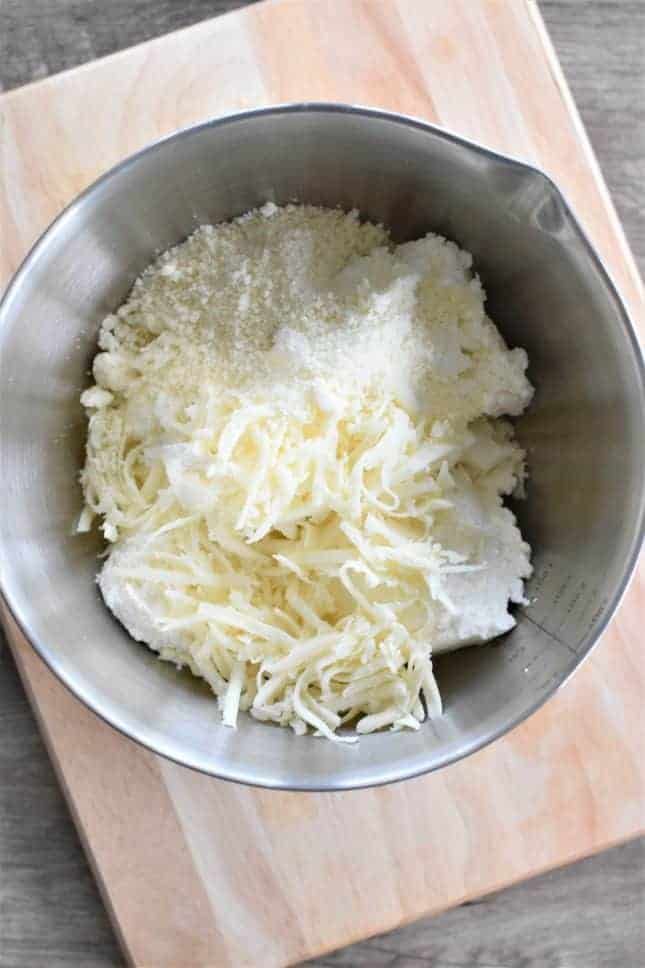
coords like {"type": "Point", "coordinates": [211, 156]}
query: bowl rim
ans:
{"type": "Point", "coordinates": [379, 776]}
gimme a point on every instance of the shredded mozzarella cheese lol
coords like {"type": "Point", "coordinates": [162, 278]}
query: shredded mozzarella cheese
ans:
{"type": "Point", "coordinates": [292, 448]}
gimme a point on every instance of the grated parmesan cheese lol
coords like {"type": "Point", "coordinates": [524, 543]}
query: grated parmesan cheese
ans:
{"type": "Point", "coordinates": [294, 449]}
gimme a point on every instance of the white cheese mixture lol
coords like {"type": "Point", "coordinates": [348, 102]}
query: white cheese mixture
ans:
{"type": "Point", "coordinates": [296, 454]}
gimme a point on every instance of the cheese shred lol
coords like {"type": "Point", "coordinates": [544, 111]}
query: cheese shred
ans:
{"type": "Point", "coordinates": [296, 454]}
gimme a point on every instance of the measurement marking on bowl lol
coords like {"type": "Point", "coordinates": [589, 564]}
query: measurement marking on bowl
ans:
{"type": "Point", "coordinates": [548, 632]}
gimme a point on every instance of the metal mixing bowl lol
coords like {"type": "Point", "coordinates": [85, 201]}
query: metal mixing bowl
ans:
{"type": "Point", "coordinates": [548, 292]}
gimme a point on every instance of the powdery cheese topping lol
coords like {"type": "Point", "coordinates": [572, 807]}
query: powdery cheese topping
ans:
{"type": "Point", "coordinates": [294, 449]}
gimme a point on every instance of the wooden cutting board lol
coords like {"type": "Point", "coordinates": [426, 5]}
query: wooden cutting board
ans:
{"type": "Point", "coordinates": [198, 872]}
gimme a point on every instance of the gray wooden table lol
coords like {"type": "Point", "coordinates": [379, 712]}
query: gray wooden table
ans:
{"type": "Point", "coordinates": [590, 915]}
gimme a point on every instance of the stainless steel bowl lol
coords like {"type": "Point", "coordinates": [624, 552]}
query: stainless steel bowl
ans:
{"type": "Point", "coordinates": [548, 292]}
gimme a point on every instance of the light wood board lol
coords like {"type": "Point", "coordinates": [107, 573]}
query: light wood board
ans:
{"type": "Point", "coordinates": [202, 873]}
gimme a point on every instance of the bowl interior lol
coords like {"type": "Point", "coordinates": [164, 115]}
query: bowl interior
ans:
{"type": "Point", "coordinates": [547, 292]}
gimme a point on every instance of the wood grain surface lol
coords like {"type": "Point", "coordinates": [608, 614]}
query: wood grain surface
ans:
{"type": "Point", "coordinates": [193, 800]}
